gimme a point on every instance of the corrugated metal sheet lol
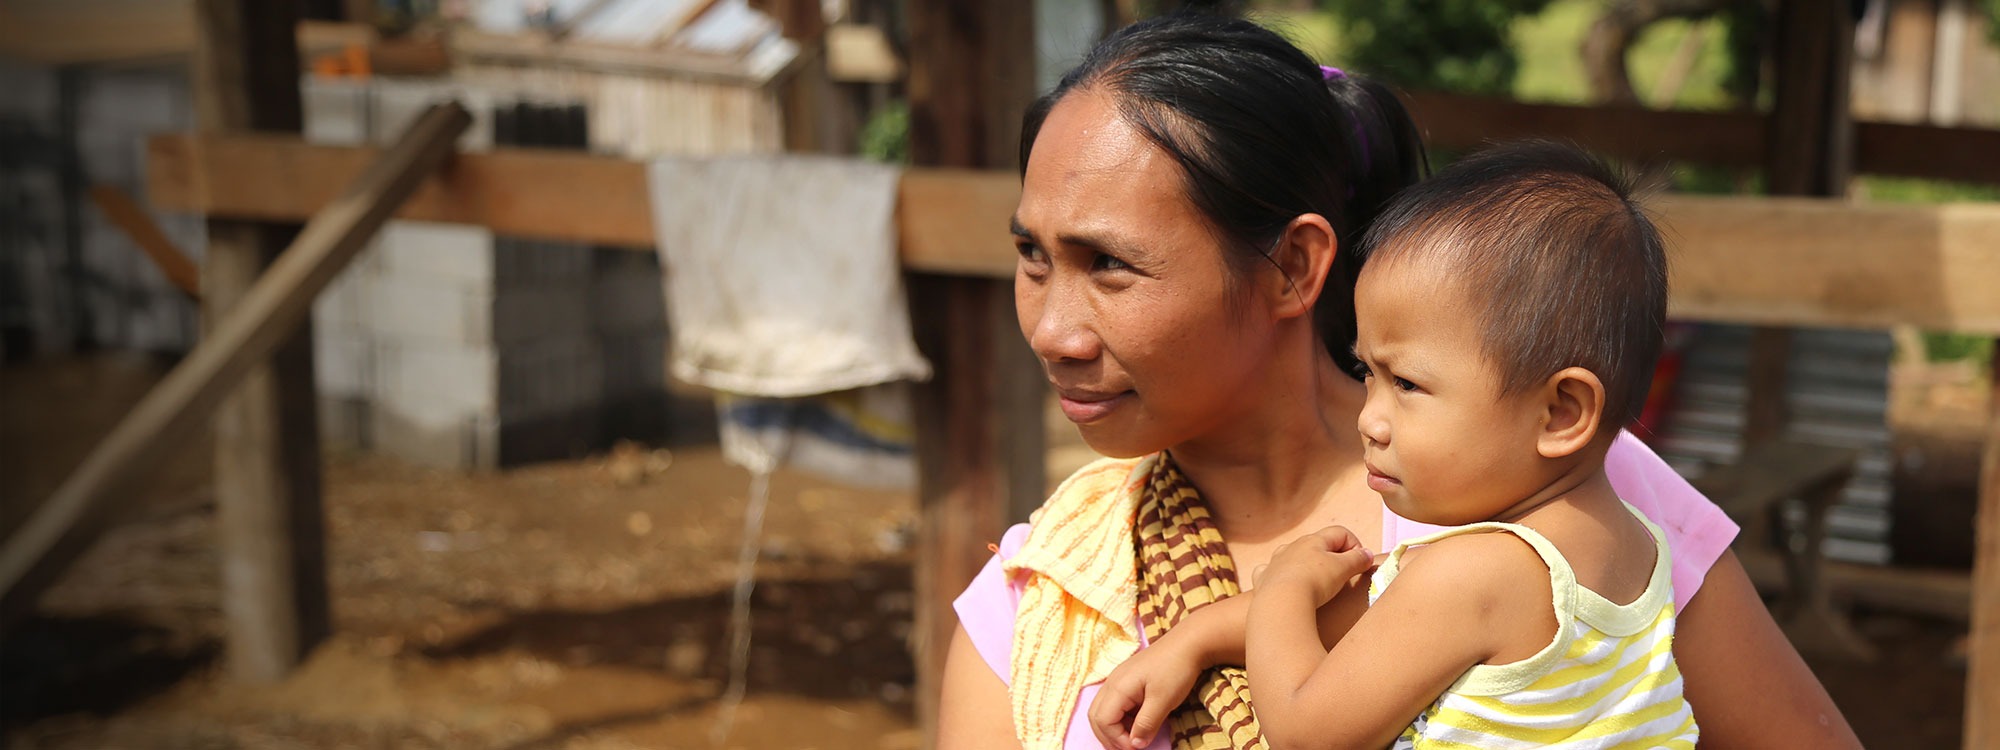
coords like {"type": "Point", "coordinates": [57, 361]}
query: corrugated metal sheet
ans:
{"type": "Point", "coordinates": [1837, 386]}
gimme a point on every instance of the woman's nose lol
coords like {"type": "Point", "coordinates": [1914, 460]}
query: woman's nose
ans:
{"type": "Point", "coordinates": [1060, 329]}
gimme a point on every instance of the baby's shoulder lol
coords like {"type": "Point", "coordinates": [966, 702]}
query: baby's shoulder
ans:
{"type": "Point", "coordinates": [1481, 569]}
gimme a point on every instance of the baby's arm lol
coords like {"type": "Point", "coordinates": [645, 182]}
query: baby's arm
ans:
{"type": "Point", "coordinates": [1135, 700]}
{"type": "Point", "coordinates": [1456, 604]}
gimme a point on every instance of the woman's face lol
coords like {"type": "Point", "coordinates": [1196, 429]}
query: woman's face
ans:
{"type": "Point", "coordinates": [1122, 288]}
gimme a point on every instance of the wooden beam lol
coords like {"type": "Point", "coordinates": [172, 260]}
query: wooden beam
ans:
{"type": "Point", "coordinates": [544, 194]}
{"type": "Point", "coordinates": [169, 414]}
{"type": "Point", "coordinates": [535, 50]}
{"type": "Point", "coordinates": [1729, 139]}
{"type": "Point", "coordinates": [1982, 674]}
{"type": "Point", "coordinates": [1458, 121]}
{"type": "Point", "coordinates": [1781, 261]}
{"type": "Point", "coordinates": [145, 233]}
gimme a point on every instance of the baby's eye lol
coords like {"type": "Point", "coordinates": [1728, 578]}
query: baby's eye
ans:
{"type": "Point", "coordinates": [1405, 385]}
{"type": "Point", "coordinates": [1359, 370]}
{"type": "Point", "coordinates": [1107, 263]}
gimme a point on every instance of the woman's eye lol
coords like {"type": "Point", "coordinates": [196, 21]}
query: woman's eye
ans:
{"type": "Point", "coordinates": [1107, 263]}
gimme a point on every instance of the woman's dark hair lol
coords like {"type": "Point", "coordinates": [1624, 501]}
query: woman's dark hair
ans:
{"type": "Point", "coordinates": [1262, 136]}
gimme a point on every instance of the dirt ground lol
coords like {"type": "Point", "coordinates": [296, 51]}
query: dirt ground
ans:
{"type": "Point", "coordinates": [578, 604]}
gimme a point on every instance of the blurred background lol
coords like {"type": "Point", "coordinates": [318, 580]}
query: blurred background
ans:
{"type": "Point", "coordinates": [529, 533]}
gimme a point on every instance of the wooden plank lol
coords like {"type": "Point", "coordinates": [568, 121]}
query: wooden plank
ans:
{"type": "Point", "coordinates": [145, 233]}
{"type": "Point", "coordinates": [527, 193]}
{"type": "Point", "coordinates": [532, 50]}
{"type": "Point", "coordinates": [1831, 263]}
{"type": "Point", "coordinates": [1982, 676]}
{"type": "Point", "coordinates": [1730, 139]}
{"type": "Point", "coordinates": [169, 414]}
{"type": "Point", "coordinates": [71, 32]}
{"type": "Point", "coordinates": [1458, 121]}
{"type": "Point", "coordinates": [971, 78]}
{"type": "Point", "coordinates": [270, 524]}
{"type": "Point", "coordinates": [1781, 261]}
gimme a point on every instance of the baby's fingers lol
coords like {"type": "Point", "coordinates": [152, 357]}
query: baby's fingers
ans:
{"type": "Point", "coordinates": [1151, 715]}
{"type": "Point", "coordinates": [1107, 717]}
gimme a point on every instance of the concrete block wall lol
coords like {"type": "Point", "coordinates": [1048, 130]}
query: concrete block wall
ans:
{"type": "Point", "coordinates": [449, 346]}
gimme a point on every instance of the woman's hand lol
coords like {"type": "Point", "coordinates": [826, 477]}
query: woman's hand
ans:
{"type": "Point", "coordinates": [1321, 562]}
{"type": "Point", "coordinates": [1135, 700]}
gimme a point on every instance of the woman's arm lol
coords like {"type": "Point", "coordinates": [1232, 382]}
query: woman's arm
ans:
{"type": "Point", "coordinates": [1747, 685]}
{"type": "Point", "coordinates": [973, 711]}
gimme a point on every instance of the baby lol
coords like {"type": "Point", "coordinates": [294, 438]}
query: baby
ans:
{"type": "Point", "coordinates": [1510, 313]}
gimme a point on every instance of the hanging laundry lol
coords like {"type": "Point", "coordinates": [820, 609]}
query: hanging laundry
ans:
{"type": "Point", "coordinates": [785, 295]}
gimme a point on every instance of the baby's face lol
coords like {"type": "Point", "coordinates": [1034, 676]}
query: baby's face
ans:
{"type": "Point", "coordinates": [1441, 443]}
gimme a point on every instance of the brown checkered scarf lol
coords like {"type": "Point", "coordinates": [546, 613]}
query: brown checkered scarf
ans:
{"type": "Point", "coordinates": [1183, 566]}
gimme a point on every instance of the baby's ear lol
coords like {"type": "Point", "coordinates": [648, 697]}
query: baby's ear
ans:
{"type": "Point", "coordinates": [1572, 403]}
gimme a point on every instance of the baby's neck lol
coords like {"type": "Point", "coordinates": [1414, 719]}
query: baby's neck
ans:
{"type": "Point", "coordinates": [1584, 485]}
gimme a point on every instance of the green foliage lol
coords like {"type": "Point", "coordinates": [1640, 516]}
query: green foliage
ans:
{"type": "Point", "coordinates": [1952, 347]}
{"type": "Point", "coordinates": [886, 135]}
{"type": "Point", "coordinates": [1454, 45]}
{"type": "Point", "coordinates": [1913, 190]}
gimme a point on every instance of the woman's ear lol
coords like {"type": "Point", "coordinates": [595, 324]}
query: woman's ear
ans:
{"type": "Point", "coordinates": [1303, 257]}
{"type": "Point", "coordinates": [1573, 412]}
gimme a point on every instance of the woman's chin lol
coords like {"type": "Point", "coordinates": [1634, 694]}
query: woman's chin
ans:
{"type": "Point", "coordinates": [1115, 443]}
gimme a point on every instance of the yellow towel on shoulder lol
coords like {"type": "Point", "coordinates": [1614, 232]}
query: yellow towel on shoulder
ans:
{"type": "Point", "coordinates": [1076, 618]}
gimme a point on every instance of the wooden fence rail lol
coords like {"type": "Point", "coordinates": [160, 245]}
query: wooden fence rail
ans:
{"type": "Point", "coordinates": [1768, 261]}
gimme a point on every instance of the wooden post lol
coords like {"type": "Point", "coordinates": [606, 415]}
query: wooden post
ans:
{"type": "Point", "coordinates": [1982, 675]}
{"type": "Point", "coordinates": [267, 474]}
{"type": "Point", "coordinates": [64, 526]}
{"type": "Point", "coordinates": [980, 431]}
{"type": "Point", "coordinates": [1809, 150]}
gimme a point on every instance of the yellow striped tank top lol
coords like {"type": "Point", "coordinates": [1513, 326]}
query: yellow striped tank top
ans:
{"type": "Point", "coordinates": [1607, 680]}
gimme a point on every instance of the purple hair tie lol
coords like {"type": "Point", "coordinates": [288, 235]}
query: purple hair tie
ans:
{"type": "Point", "coordinates": [1328, 73]}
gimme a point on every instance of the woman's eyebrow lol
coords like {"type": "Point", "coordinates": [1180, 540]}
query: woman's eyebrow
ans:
{"type": "Point", "coordinates": [1097, 242]}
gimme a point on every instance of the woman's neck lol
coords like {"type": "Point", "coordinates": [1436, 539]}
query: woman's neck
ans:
{"type": "Point", "coordinates": [1272, 464]}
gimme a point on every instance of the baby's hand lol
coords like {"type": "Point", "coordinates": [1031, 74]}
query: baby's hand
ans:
{"type": "Point", "coordinates": [1135, 700]}
{"type": "Point", "coordinates": [1321, 562]}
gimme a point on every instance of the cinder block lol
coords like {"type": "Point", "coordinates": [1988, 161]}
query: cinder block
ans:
{"type": "Point", "coordinates": [550, 376]}
{"type": "Point", "coordinates": [466, 443]}
{"type": "Point", "coordinates": [634, 364]}
{"type": "Point", "coordinates": [343, 422]}
{"type": "Point", "coordinates": [452, 252]}
{"type": "Point", "coordinates": [343, 363]}
{"type": "Point", "coordinates": [532, 314]}
{"type": "Point", "coordinates": [343, 306]}
{"type": "Point", "coordinates": [535, 263]}
{"type": "Point", "coordinates": [415, 310]}
{"type": "Point", "coordinates": [435, 383]}
{"type": "Point", "coordinates": [336, 112]}
{"type": "Point", "coordinates": [629, 303]}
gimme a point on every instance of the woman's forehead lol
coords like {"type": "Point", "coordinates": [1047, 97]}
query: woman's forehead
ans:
{"type": "Point", "coordinates": [1090, 166]}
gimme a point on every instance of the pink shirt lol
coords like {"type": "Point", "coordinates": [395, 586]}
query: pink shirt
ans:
{"type": "Point", "coordinates": [1697, 533]}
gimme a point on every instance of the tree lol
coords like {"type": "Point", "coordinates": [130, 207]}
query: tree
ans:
{"type": "Point", "coordinates": [1455, 45]}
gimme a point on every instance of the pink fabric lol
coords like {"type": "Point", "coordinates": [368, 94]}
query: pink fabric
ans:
{"type": "Point", "coordinates": [1697, 533]}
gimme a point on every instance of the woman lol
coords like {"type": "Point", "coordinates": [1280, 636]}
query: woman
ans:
{"type": "Point", "coordinates": [1189, 192]}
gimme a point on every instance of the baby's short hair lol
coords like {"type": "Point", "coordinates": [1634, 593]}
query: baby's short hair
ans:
{"type": "Point", "coordinates": [1558, 257]}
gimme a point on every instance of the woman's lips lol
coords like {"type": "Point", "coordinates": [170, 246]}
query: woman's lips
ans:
{"type": "Point", "coordinates": [1083, 407]}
